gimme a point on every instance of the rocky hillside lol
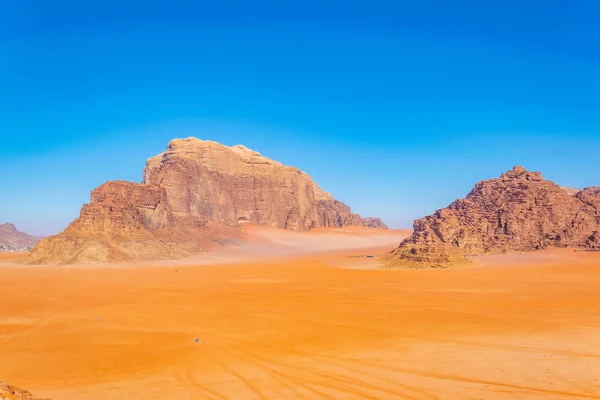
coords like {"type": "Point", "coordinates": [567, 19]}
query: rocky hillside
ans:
{"type": "Point", "coordinates": [13, 240]}
{"type": "Point", "coordinates": [127, 221]}
{"type": "Point", "coordinates": [193, 196]}
{"type": "Point", "coordinates": [238, 185]}
{"type": "Point", "coordinates": [520, 211]}
{"type": "Point", "coordinates": [9, 392]}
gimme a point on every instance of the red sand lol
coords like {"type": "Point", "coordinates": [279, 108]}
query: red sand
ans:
{"type": "Point", "coordinates": [510, 327]}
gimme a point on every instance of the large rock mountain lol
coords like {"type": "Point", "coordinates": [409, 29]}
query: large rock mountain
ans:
{"type": "Point", "coordinates": [238, 185]}
{"type": "Point", "coordinates": [128, 221]}
{"type": "Point", "coordinates": [12, 239]}
{"type": "Point", "coordinates": [519, 211]}
{"type": "Point", "coordinates": [194, 196]}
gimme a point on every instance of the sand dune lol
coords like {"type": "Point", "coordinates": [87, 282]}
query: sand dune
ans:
{"type": "Point", "coordinates": [268, 241]}
{"type": "Point", "coordinates": [293, 325]}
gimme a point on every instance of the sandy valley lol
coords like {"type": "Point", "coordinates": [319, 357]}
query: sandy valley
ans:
{"type": "Point", "coordinates": [293, 324]}
{"type": "Point", "coordinates": [299, 200]}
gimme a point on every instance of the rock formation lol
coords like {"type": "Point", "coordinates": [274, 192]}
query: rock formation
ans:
{"type": "Point", "coordinates": [13, 240]}
{"type": "Point", "coordinates": [238, 185]}
{"type": "Point", "coordinates": [9, 392]}
{"type": "Point", "coordinates": [193, 196]}
{"type": "Point", "coordinates": [128, 221]}
{"type": "Point", "coordinates": [520, 211]}
{"type": "Point", "coordinates": [591, 197]}
{"type": "Point", "coordinates": [374, 223]}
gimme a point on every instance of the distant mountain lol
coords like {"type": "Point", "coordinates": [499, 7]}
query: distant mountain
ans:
{"type": "Point", "coordinates": [13, 240]}
{"type": "Point", "coordinates": [374, 223]}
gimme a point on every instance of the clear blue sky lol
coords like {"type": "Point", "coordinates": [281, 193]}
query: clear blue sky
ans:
{"type": "Point", "coordinates": [395, 107]}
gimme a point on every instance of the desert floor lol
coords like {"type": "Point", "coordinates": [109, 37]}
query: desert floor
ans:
{"type": "Point", "coordinates": [298, 324]}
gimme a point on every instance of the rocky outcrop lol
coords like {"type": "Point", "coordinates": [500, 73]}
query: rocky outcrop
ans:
{"type": "Point", "coordinates": [374, 223]}
{"type": "Point", "coordinates": [237, 185]}
{"type": "Point", "coordinates": [194, 196]}
{"type": "Point", "coordinates": [128, 221]}
{"type": "Point", "coordinates": [13, 240]}
{"type": "Point", "coordinates": [591, 197]}
{"type": "Point", "coordinates": [9, 392]}
{"type": "Point", "coordinates": [520, 211]}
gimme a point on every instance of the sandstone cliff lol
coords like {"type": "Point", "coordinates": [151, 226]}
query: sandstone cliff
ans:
{"type": "Point", "coordinates": [13, 240]}
{"type": "Point", "coordinates": [194, 196]}
{"type": "Point", "coordinates": [128, 221]}
{"type": "Point", "coordinates": [520, 211]}
{"type": "Point", "coordinates": [238, 185]}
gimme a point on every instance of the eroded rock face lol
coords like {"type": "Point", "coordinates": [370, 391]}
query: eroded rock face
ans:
{"type": "Point", "coordinates": [12, 239]}
{"type": "Point", "coordinates": [591, 197]}
{"type": "Point", "coordinates": [127, 221]}
{"type": "Point", "coordinates": [238, 185]}
{"type": "Point", "coordinates": [121, 206]}
{"type": "Point", "coordinates": [520, 211]}
{"type": "Point", "coordinates": [194, 196]}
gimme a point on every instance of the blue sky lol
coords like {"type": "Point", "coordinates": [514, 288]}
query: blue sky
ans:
{"type": "Point", "coordinates": [395, 107]}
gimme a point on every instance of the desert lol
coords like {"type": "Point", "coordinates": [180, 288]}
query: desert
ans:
{"type": "Point", "coordinates": [305, 325]}
{"type": "Point", "coordinates": [226, 275]}
{"type": "Point", "coordinates": [299, 200]}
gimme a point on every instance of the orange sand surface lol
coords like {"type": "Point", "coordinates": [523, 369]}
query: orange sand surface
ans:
{"type": "Point", "coordinates": [305, 327]}
{"type": "Point", "coordinates": [9, 256]}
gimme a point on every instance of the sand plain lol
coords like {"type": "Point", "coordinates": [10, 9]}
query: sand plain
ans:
{"type": "Point", "coordinates": [283, 318]}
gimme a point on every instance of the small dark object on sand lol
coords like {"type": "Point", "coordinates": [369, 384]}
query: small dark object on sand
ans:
{"type": "Point", "coordinates": [197, 340]}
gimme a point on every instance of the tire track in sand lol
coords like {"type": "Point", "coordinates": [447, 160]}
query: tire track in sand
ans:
{"type": "Point", "coordinates": [281, 377]}
{"type": "Point", "coordinates": [239, 376]}
{"type": "Point", "coordinates": [433, 375]}
{"type": "Point", "coordinates": [302, 382]}
{"type": "Point", "coordinates": [190, 378]}
{"type": "Point", "coordinates": [345, 382]}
